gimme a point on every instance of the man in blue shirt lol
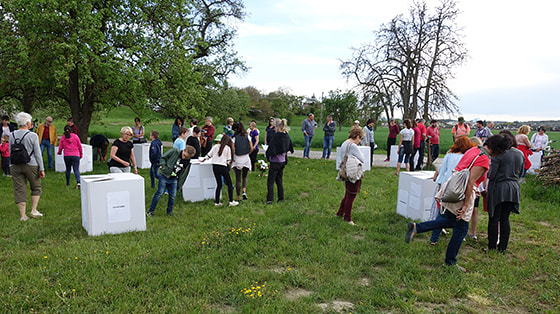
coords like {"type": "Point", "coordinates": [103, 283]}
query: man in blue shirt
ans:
{"type": "Point", "coordinates": [308, 127]}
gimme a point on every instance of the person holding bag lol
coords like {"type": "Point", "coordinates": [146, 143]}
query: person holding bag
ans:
{"type": "Point", "coordinates": [352, 184]}
{"type": "Point", "coordinates": [456, 215]}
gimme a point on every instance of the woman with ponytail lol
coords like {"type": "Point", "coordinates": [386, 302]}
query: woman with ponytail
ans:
{"type": "Point", "coordinates": [70, 144]}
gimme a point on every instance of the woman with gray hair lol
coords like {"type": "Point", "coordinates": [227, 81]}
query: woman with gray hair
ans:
{"type": "Point", "coordinates": [32, 170]}
{"type": "Point", "coordinates": [122, 153]}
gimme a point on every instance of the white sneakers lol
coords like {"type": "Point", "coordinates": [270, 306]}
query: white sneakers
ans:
{"type": "Point", "coordinates": [233, 203]}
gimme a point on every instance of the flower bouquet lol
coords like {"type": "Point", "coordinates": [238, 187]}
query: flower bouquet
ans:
{"type": "Point", "coordinates": [262, 166]}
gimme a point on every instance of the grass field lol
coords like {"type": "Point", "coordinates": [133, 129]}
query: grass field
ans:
{"type": "Point", "coordinates": [292, 257]}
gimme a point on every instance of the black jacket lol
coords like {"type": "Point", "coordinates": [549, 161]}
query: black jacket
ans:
{"type": "Point", "coordinates": [503, 175]}
{"type": "Point", "coordinates": [279, 143]}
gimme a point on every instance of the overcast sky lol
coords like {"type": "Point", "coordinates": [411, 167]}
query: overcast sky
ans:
{"type": "Point", "coordinates": [513, 72]}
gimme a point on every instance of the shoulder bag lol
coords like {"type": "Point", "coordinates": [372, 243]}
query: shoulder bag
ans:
{"type": "Point", "coordinates": [453, 190]}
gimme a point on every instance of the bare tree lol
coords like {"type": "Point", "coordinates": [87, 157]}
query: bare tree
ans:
{"type": "Point", "coordinates": [411, 60]}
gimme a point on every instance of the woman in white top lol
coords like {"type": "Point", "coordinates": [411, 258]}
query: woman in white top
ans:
{"type": "Point", "coordinates": [241, 164]}
{"type": "Point", "coordinates": [405, 148]}
{"type": "Point", "coordinates": [539, 141]}
{"type": "Point", "coordinates": [352, 189]}
{"type": "Point", "coordinates": [222, 156]}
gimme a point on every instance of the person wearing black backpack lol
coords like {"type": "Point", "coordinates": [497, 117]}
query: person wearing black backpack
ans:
{"type": "Point", "coordinates": [26, 165]}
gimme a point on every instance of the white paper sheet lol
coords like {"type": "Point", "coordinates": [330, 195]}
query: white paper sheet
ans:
{"type": "Point", "coordinates": [118, 207]}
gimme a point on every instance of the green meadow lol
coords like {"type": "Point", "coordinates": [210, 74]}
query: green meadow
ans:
{"type": "Point", "coordinates": [289, 257]}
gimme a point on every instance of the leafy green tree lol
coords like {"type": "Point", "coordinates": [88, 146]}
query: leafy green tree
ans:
{"type": "Point", "coordinates": [343, 107]}
{"type": "Point", "coordinates": [98, 54]}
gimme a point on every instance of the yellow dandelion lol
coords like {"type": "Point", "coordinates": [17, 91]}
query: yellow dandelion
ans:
{"type": "Point", "coordinates": [75, 257]}
{"type": "Point", "coordinates": [203, 242]}
{"type": "Point", "coordinates": [73, 290]}
{"type": "Point", "coordinates": [46, 256]}
{"type": "Point", "coordinates": [106, 252]}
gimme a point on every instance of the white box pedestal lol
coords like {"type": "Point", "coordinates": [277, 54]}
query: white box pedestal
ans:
{"type": "Point", "coordinates": [86, 162]}
{"type": "Point", "coordinates": [114, 205]}
{"type": "Point", "coordinates": [142, 155]}
{"type": "Point", "coordinates": [395, 158]}
{"type": "Point", "coordinates": [364, 149]}
{"type": "Point", "coordinates": [201, 183]}
{"type": "Point", "coordinates": [416, 194]}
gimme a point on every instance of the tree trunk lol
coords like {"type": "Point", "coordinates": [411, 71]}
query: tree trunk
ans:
{"type": "Point", "coordinates": [27, 100]}
{"type": "Point", "coordinates": [81, 113]}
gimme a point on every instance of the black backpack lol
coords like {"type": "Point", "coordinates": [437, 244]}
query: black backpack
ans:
{"type": "Point", "coordinates": [18, 152]}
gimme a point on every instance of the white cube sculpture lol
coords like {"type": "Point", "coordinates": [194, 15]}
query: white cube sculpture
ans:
{"type": "Point", "coordinates": [416, 194]}
{"type": "Point", "coordinates": [86, 162]}
{"type": "Point", "coordinates": [364, 149]}
{"type": "Point", "coordinates": [200, 183]}
{"type": "Point", "coordinates": [113, 203]}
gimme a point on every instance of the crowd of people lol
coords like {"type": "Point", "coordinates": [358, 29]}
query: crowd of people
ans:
{"type": "Point", "coordinates": [496, 165]}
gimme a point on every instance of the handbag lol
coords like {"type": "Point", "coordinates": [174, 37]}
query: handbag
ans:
{"type": "Point", "coordinates": [453, 190]}
{"type": "Point", "coordinates": [350, 168]}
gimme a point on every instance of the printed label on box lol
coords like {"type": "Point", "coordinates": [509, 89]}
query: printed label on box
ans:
{"type": "Point", "coordinates": [118, 207]}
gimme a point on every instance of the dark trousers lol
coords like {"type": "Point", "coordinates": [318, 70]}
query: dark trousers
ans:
{"type": "Point", "coordinates": [434, 151]}
{"type": "Point", "coordinates": [275, 174]}
{"type": "Point", "coordinates": [72, 163]}
{"type": "Point", "coordinates": [414, 151]}
{"type": "Point", "coordinates": [153, 174]}
{"type": "Point", "coordinates": [205, 150]}
{"type": "Point", "coordinates": [219, 173]}
{"type": "Point", "coordinates": [448, 220]}
{"type": "Point", "coordinates": [6, 165]}
{"type": "Point", "coordinates": [390, 142]}
{"type": "Point", "coordinates": [501, 219]}
{"type": "Point", "coordinates": [421, 150]}
{"type": "Point", "coordinates": [253, 157]}
{"type": "Point", "coordinates": [345, 208]}
{"type": "Point", "coordinates": [240, 179]}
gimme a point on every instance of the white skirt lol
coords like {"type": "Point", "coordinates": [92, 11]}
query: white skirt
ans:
{"type": "Point", "coordinates": [241, 162]}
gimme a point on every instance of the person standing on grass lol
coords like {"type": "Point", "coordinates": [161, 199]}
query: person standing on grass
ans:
{"type": "Point", "coordinates": [47, 135]}
{"type": "Point", "coordinates": [254, 134]}
{"type": "Point", "coordinates": [70, 122]}
{"type": "Point", "coordinates": [5, 152]}
{"type": "Point", "coordinates": [138, 132]}
{"type": "Point", "coordinates": [433, 136]}
{"type": "Point", "coordinates": [32, 171]}
{"type": "Point", "coordinates": [228, 128]}
{"type": "Point", "coordinates": [207, 136]}
{"type": "Point", "coordinates": [276, 154]}
{"type": "Point", "coordinates": [539, 141]}
{"type": "Point", "coordinates": [474, 218]}
{"type": "Point", "coordinates": [175, 128]}
{"type": "Point", "coordinates": [171, 168]}
{"type": "Point", "coordinates": [194, 141]}
{"type": "Point", "coordinates": [422, 148]}
{"type": "Point", "coordinates": [308, 127]}
{"type": "Point", "coordinates": [122, 153]}
{"type": "Point", "coordinates": [392, 137]}
{"type": "Point", "coordinates": [155, 155]}
{"type": "Point", "coordinates": [524, 145]}
{"type": "Point", "coordinates": [481, 131]}
{"type": "Point", "coordinates": [181, 142]}
{"type": "Point", "coordinates": [460, 129]}
{"type": "Point", "coordinates": [241, 164]}
{"type": "Point", "coordinates": [415, 144]}
{"type": "Point", "coordinates": [329, 128]}
{"type": "Point", "coordinates": [270, 131]}
{"type": "Point", "coordinates": [222, 156]}
{"type": "Point", "coordinates": [503, 189]}
{"type": "Point", "coordinates": [70, 144]}
{"type": "Point", "coordinates": [368, 138]}
{"type": "Point", "coordinates": [99, 144]}
{"type": "Point", "coordinates": [456, 215]}
{"type": "Point", "coordinates": [352, 188]}
{"type": "Point", "coordinates": [193, 124]}
{"type": "Point", "coordinates": [444, 172]}
{"type": "Point", "coordinates": [405, 148]}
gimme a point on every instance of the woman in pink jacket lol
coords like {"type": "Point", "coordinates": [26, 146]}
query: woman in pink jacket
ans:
{"type": "Point", "coordinates": [70, 143]}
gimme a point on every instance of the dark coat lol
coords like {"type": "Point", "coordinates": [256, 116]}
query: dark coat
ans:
{"type": "Point", "coordinates": [503, 175]}
{"type": "Point", "coordinates": [280, 143]}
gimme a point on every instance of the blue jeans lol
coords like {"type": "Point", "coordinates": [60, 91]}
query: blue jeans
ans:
{"type": "Point", "coordinates": [47, 144]}
{"type": "Point", "coordinates": [163, 184]}
{"type": "Point", "coordinates": [434, 151]}
{"type": "Point", "coordinates": [327, 146]}
{"type": "Point", "coordinates": [308, 139]}
{"type": "Point", "coordinates": [448, 220]}
{"type": "Point", "coordinates": [72, 163]}
{"type": "Point", "coordinates": [153, 174]}
{"type": "Point", "coordinates": [96, 153]}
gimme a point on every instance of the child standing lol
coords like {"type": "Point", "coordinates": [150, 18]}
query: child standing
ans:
{"type": "Point", "coordinates": [155, 155]}
{"type": "Point", "coordinates": [5, 150]}
{"type": "Point", "coordinates": [222, 156]}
